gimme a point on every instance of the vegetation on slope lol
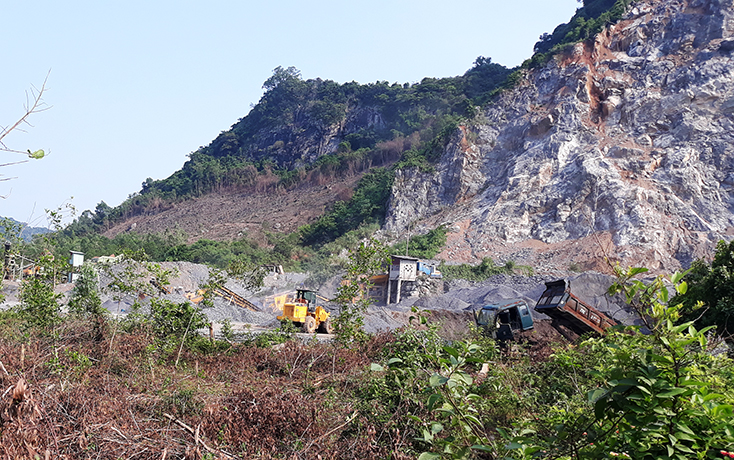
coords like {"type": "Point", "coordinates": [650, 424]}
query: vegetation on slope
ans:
{"type": "Point", "coordinates": [588, 21]}
{"type": "Point", "coordinates": [262, 149]}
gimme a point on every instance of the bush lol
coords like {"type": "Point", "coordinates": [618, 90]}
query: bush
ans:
{"type": "Point", "coordinates": [424, 246]}
{"type": "Point", "coordinates": [479, 272]}
{"type": "Point", "coordinates": [85, 298]}
{"type": "Point", "coordinates": [710, 284]}
{"type": "Point", "coordinates": [367, 205]}
{"type": "Point", "coordinates": [175, 319]}
{"type": "Point", "coordinates": [660, 394]}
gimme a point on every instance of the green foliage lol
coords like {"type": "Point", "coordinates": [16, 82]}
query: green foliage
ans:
{"type": "Point", "coordinates": [662, 394]}
{"type": "Point", "coordinates": [182, 403]}
{"type": "Point", "coordinates": [170, 246]}
{"type": "Point", "coordinates": [425, 156]}
{"type": "Point", "coordinates": [10, 231]}
{"type": "Point", "coordinates": [712, 285]}
{"type": "Point", "coordinates": [227, 330]}
{"type": "Point", "coordinates": [236, 158]}
{"type": "Point", "coordinates": [365, 261]}
{"type": "Point", "coordinates": [423, 246]}
{"type": "Point", "coordinates": [367, 205]}
{"type": "Point", "coordinates": [586, 23]}
{"type": "Point", "coordinates": [71, 364]}
{"type": "Point", "coordinates": [325, 262]}
{"type": "Point", "coordinates": [268, 339]}
{"type": "Point", "coordinates": [215, 280]}
{"type": "Point", "coordinates": [426, 388]}
{"type": "Point", "coordinates": [39, 305]}
{"type": "Point", "coordinates": [479, 272]}
{"type": "Point", "coordinates": [127, 278]}
{"type": "Point", "coordinates": [250, 275]}
{"type": "Point", "coordinates": [175, 319]}
{"type": "Point", "coordinates": [482, 80]}
{"type": "Point", "coordinates": [85, 298]}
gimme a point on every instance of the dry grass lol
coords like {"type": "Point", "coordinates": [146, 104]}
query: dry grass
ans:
{"type": "Point", "coordinates": [66, 396]}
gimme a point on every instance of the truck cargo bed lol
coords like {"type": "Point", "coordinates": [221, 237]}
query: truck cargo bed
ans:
{"type": "Point", "coordinates": [559, 303]}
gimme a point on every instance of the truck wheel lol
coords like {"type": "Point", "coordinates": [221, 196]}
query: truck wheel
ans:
{"type": "Point", "coordinates": [325, 327]}
{"type": "Point", "coordinates": [309, 325]}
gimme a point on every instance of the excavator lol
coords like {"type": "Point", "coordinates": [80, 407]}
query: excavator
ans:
{"type": "Point", "coordinates": [305, 314]}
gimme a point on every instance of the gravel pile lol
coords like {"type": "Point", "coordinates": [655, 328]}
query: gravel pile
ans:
{"type": "Point", "coordinates": [462, 296]}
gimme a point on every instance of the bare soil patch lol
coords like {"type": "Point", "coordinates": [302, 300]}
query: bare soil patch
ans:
{"type": "Point", "coordinates": [231, 214]}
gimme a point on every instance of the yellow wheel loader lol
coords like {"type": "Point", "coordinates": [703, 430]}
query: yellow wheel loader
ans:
{"type": "Point", "coordinates": [304, 313]}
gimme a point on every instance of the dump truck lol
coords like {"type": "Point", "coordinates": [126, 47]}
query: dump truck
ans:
{"type": "Point", "coordinates": [304, 313]}
{"type": "Point", "coordinates": [503, 320]}
{"type": "Point", "coordinates": [567, 310]}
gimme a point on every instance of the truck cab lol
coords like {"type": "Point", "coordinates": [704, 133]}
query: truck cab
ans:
{"type": "Point", "coordinates": [504, 319]}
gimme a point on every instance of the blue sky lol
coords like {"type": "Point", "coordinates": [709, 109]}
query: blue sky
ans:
{"type": "Point", "coordinates": [136, 86]}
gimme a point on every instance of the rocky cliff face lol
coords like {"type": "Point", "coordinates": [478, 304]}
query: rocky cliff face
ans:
{"type": "Point", "coordinates": [307, 138]}
{"type": "Point", "coordinates": [622, 147]}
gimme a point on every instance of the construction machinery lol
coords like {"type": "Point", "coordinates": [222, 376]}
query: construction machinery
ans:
{"type": "Point", "coordinates": [304, 313]}
{"type": "Point", "coordinates": [226, 294]}
{"type": "Point", "coordinates": [569, 311]}
{"type": "Point", "coordinates": [504, 319]}
{"type": "Point", "coordinates": [163, 289]}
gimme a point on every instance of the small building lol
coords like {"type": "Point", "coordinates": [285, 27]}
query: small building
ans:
{"type": "Point", "coordinates": [76, 260]}
{"type": "Point", "coordinates": [402, 268]}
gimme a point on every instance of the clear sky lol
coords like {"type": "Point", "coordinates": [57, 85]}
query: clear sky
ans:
{"type": "Point", "coordinates": [136, 86]}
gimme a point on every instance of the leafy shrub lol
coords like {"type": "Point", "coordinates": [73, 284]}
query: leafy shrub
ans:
{"type": "Point", "coordinates": [711, 285]}
{"type": "Point", "coordinates": [367, 205]}
{"type": "Point", "coordinates": [586, 23]}
{"type": "Point", "coordinates": [175, 319]}
{"type": "Point", "coordinates": [39, 304]}
{"type": "Point", "coordinates": [85, 298]}
{"type": "Point", "coordinates": [424, 246]}
{"type": "Point", "coordinates": [365, 261]}
{"type": "Point", "coordinates": [660, 395]}
{"type": "Point", "coordinates": [479, 272]}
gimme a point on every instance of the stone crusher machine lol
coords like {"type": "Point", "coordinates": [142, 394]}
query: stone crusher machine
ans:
{"type": "Point", "coordinates": [567, 310]}
{"type": "Point", "coordinates": [226, 294]}
{"type": "Point", "coordinates": [305, 314]}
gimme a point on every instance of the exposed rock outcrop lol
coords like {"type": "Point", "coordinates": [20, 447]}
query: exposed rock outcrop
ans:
{"type": "Point", "coordinates": [628, 140]}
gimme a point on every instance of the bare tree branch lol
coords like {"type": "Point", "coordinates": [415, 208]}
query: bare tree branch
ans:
{"type": "Point", "coordinates": [34, 104]}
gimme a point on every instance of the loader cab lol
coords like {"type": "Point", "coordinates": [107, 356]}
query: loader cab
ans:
{"type": "Point", "coordinates": [306, 296]}
{"type": "Point", "coordinates": [503, 319]}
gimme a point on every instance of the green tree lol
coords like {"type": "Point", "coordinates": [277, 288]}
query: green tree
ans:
{"type": "Point", "coordinates": [39, 304]}
{"type": "Point", "coordinates": [352, 297]}
{"type": "Point", "coordinates": [176, 319]}
{"type": "Point", "coordinates": [85, 298]}
{"type": "Point", "coordinates": [713, 285]}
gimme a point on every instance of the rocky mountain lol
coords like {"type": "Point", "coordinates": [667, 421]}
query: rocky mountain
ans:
{"type": "Point", "coordinates": [622, 147]}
